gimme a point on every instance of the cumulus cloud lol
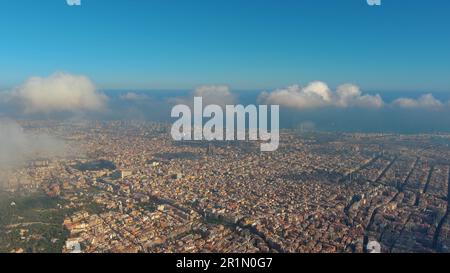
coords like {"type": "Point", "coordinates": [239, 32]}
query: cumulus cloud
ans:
{"type": "Point", "coordinates": [349, 95]}
{"type": "Point", "coordinates": [132, 96]}
{"type": "Point", "coordinates": [17, 146]}
{"type": "Point", "coordinates": [427, 101]}
{"type": "Point", "coordinates": [215, 94]}
{"type": "Point", "coordinates": [60, 92]}
{"type": "Point", "coordinates": [318, 94]}
{"type": "Point", "coordinates": [211, 94]}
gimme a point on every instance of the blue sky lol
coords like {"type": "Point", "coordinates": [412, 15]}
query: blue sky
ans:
{"type": "Point", "coordinates": [247, 44]}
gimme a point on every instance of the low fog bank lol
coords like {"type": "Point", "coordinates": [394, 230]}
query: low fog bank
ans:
{"type": "Point", "coordinates": [17, 146]}
{"type": "Point", "coordinates": [366, 121]}
{"type": "Point", "coordinates": [156, 106]}
{"type": "Point", "coordinates": [315, 106]}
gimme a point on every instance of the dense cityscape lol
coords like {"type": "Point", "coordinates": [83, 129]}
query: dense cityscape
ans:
{"type": "Point", "coordinates": [125, 186]}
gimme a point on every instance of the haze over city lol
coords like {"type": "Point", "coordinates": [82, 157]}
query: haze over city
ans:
{"type": "Point", "coordinates": [87, 162]}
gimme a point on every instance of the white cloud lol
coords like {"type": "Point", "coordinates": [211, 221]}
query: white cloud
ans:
{"type": "Point", "coordinates": [426, 101]}
{"type": "Point", "coordinates": [215, 94]}
{"type": "Point", "coordinates": [211, 94]}
{"type": "Point", "coordinates": [17, 145]}
{"type": "Point", "coordinates": [131, 96]}
{"type": "Point", "coordinates": [349, 95]}
{"type": "Point", "coordinates": [318, 94]}
{"type": "Point", "coordinates": [59, 92]}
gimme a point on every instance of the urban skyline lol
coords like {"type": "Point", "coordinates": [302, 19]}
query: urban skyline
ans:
{"type": "Point", "coordinates": [224, 127]}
